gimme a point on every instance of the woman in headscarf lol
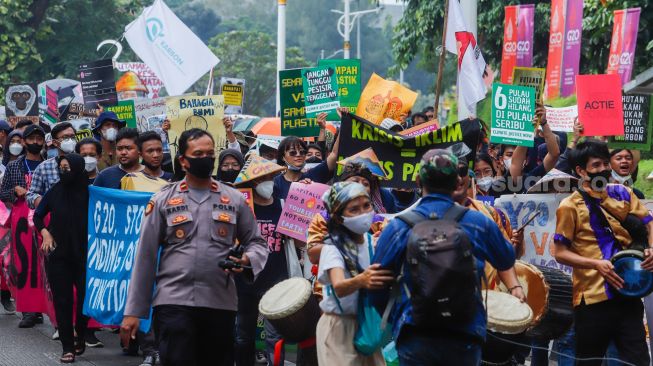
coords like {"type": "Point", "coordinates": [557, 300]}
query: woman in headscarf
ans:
{"type": "Point", "coordinates": [65, 243]}
{"type": "Point", "coordinates": [230, 162]}
{"type": "Point", "coordinates": [345, 270]}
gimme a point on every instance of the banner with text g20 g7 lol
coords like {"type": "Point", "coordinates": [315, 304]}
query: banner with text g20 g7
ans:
{"type": "Point", "coordinates": [114, 225]}
{"type": "Point", "coordinates": [400, 155]}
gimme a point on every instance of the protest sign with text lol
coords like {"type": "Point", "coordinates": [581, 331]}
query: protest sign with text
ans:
{"type": "Point", "coordinates": [400, 155]}
{"type": "Point", "coordinates": [233, 91]}
{"type": "Point", "coordinates": [600, 108]}
{"type": "Point", "coordinates": [125, 112]}
{"type": "Point", "coordinates": [145, 74]}
{"type": "Point", "coordinates": [530, 76]}
{"type": "Point", "coordinates": [385, 99]}
{"type": "Point", "coordinates": [513, 108]}
{"type": "Point", "coordinates": [303, 202]}
{"type": "Point", "coordinates": [320, 86]}
{"type": "Point", "coordinates": [294, 121]}
{"type": "Point", "coordinates": [21, 103]}
{"type": "Point", "coordinates": [348, 73]}
{"type": "Point", "coordinates": [98, 83]}
{"type": "Point", "coordinates": [146, 108]}
{"type": "Point", "coordinates": [637, 124]}
{"type": "Point", "coordinates": [561, 119]}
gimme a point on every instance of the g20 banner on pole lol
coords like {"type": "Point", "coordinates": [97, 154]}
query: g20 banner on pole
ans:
{"type": "Point", "coordinates": [538, 235]}
{"type": "Point", "coordinates": [525, 31]}
{"type": "Point", "coordinates": [517, 39]}
{"type": "Point", "coordinates": [294, 121]}
{"type": "Point", "coordinates": [564, 47]}
{"type": "Point", "coordinates": [624, 41]}
{"type": "Point", "coordinates": [637, 124]}
{"type": "Point", "coordinates": [348, 73]}
{"type": "Point", "coordinates": [513, 108]}
{"type": "Point", "coordinates": [320, 86]}
{"type": "Point", "coordinates": [400, 155]}
{"type": "Point", "coordinates": [114, 224]}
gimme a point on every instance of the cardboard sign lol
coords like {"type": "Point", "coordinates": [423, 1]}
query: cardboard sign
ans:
{"type": "Point", "coordinates": [52, 101]}
{"type": "Point", "coordinates": [249, 196]}
{"type": "Point", "coordinates": [530, 76]}
{"type": "Point", "coordinates": [304, 201]}
{"type": "Point", "coordinates": [98, 83]}
{"type": "Point", "coordinates": [146, 108]}
{"type": "Point", "coordinates": [561, 119]}
{"type": "Point", "coordinates": [125, 111]}
{"type": "Point", "coordinates": [348, 73]}
{"type": "Point", "coordinates": [600, 108]}
{"type": "Point", "coordinates": [320, 86]}
{"type": "Point", "coordinates": [400, 155]}
{"type": "Point", "coordinates": [513, 108]}
{"type": "Point", "coordinates": [82, 134]}
{"type": "Point", "coordinates": [21, 103]}
{"type": "Point", "coordinates": [384, 99]}
{"type": "Point", "coordinates": [155, 123]}
{"type": "Point", "coordinates": [76, 111]}
{"type": "Point", "coordinates": [145, 75]}
{"type": "Point", "coordinates": [233, 91]}
{"type": "Point", "coordinates": [637, 124]}
{"type": "Point", "coordinates": [294, 121]}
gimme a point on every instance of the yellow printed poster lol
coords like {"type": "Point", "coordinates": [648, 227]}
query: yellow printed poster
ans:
{"type": "Point", "coordinates": [384, 99]}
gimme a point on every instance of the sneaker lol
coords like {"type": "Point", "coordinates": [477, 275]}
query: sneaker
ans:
{"type": "Point", "coordinates": [260, 357]}
{"type": "Point", "coordinates": [38, 318]}
{"type": "Point", "coordinates": [5, 299]}
{"type": "Point", "coordinates": [92, 341]}
{"type": "Point", "coordinates": [28, 321]}
{"type": "Point", "coordinates": [149, 360]}
{"type": "Point", "coordinates": [55, 335]}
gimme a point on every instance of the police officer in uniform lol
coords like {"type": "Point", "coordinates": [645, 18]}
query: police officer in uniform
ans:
{"type": "Point", "coordinates": [195, 222]}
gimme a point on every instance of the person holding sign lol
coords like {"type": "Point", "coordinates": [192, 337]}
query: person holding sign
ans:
{"type": "Point", "coordinates": [65, 242]}
{"type": "Point", "coordinates": [194, 224]}
{"type": "Point", "coordinates": [589, 230]}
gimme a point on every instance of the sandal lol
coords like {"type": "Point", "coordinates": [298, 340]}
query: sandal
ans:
{"type": "Point", "coordinates": [80, 347]}
{"type": "Point", "coordinates": [67, 357]}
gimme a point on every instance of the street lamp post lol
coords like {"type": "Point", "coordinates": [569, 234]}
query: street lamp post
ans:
{"type": "Point", "coordinates": [281, 45]}
{"type": "Point", "coordinates": [346, 24]}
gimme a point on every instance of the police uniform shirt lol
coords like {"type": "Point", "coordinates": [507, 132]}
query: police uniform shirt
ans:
{"type": "Point", "coordinates": [195, 237]}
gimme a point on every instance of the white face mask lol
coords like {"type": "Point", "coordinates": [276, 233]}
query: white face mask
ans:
{"type": "Point", "coordinates": [110, 134]}
{"type": "Point", "coordinates": [15, 149]}
{"type": "Point", "coordinates": [507, 163]}
{"type": "Point", "coordinates": [621, 180]}
{"type": "Point", "coordinates": [265, 189]}
{"type": "Point", "coordinates": [68, 145]}
{"type": "Point", "coordinates": [359, 224]}
{"type": "Point", "coordinates": [485, 183]}
{"type": "Point", "coordinates": [90, 163]}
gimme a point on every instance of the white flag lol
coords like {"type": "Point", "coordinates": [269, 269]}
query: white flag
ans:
{"type": "Point", "coordinates": [471, 65]}
{"type": "Point", "coordinates": [169, 48]}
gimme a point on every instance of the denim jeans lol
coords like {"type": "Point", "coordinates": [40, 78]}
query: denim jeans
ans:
{"type": "Point", "coordinates": [421, 350]}
{"type": "Point", "coordinates": [246, 319]}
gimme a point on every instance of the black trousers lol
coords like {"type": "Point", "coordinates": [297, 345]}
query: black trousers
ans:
{"type": "Point", "coordinates": [193, 336]}
{"type": "Point", "coordinates": [62, 276]}
{"type": "Point", "coordinates": [619, 320]}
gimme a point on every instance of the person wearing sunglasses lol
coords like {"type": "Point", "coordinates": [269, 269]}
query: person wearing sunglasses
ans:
{"type": "Point", "coordinates": [292, 154]}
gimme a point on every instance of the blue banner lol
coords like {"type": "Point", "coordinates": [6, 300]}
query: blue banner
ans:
{"type": "Point", "coordinates": [114, 225]}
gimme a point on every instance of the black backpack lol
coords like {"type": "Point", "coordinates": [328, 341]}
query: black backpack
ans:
{"type": "Point", "coordinates": [442, 267]}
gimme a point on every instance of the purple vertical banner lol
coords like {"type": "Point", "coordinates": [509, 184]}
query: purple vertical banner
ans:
{"type": "Point", "coordinates": [525, 25]}
{"type": "Point", "coordinates": [627, 58]}
{"type": "Point", "coordinates": [571, 50]}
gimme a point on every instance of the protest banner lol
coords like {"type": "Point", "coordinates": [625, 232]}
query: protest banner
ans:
{"type": "Point", "coordinates": [564, 47]}
{"type": "Point", "coordinates": [75, 111]}
{"type": "Point", "coordinates": [538, 235]}
{"type": "Point", "coordinates": [530, 76]}
{"type": "Point", "coordinates": [304, 201]}
{"type": "Point", "coordinates": [513, 108]}
{"type": "Point", "coordinates": [125, 112]}
{"type": "Point", "coordinates": [155, 123]}
{"type": "Point", "coordinates": [561, 119]}
{"type": "Point", "coordinates": [145, 108]}
{"type": "Point", "coordinates": [421, 129]}
{"type": "Point", "coordinates": [623, 44]}
{"type": "Point", "coordinates": [114, 225]}
{"type": "Point", "coordinates": [21, 103]}
{"type": "Point", "coordinates": [320, 86]}
{"type": "Point", "coordinates": [637, 124]}
{"type": "Point", "coordinates": [83, 133]}
{"type": "Point", "coordinates": [233, 91]}
{"type": "Point", "coordinates": [400, 155]}
{"type": "Point", "coordinates": [145, 74]}
{"type": "Point", "coordinates": [98, 83]}
{"type": "Point", "coordinates": [348, 73]}
{"type": "Point", "coordinates": [384, 99]}
{"type": "Point", "coordinates": [294, 121]}
{"type": "Point", "coordinates": [52, 101]}
{"type": "Point", "coordinates": [203, 112]}
{"type": "Point", "coordinates": [600, 108]}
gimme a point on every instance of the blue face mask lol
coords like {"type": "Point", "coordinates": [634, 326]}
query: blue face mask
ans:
{"type": "Point", "coordinates": [52, 153]}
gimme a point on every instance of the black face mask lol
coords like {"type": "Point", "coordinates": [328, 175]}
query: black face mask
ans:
{"type": "Point", "coordinates": [34, 148]}
{"type": "Point", "coordinates": [404, 196]}
{"type": "Point", "coordinates": [599, 180]}
{"type": "Point", "coordinates": [200, 167]}
{"type": "Point", "coordinates": [313, 160]}
{"type": "Point", "coordinates": [228, 176]}
{"type": "Point", "coordinates": [66, 176]}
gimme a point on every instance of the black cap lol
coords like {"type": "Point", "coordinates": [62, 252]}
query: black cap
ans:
{"type": "Point", "coordinates": [32, 129]}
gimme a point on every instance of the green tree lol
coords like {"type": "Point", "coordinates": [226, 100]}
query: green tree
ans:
{"type": "Point", "coordinates": [251, 55]}
{"type": "Point", "coordinates": [203, 21]}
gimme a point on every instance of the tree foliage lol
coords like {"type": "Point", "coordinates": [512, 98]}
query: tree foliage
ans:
{"type": "Point", "coordinates": [203, 21]}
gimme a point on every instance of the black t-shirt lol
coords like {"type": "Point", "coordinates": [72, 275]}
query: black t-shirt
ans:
{"type": "Point", "coordinates": [276, 267]}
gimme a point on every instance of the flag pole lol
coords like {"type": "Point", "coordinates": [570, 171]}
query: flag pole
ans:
{"type": "Point", "coordinates": [443, 55]}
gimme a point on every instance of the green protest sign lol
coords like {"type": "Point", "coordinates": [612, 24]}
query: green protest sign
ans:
{"type": "Point", "coordinates": [294, 121]}
{"type": "Point", "coordinates": [637, 124]}
{"type": "Point", "coordinates": [125, 112]}
{"type": "Point", "coordinates": [348, 73]}
{"type": "Point", "coordinates": [320, 90]}
{"type": "Point", "coordinates": [513, 108]}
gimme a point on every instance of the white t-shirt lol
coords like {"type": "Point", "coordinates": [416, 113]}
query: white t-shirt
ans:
{"type": "Point", "coordinates": [330, 257]}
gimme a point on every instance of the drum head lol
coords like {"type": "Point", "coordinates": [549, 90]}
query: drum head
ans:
{"type": "Point", "coordinates": [535, 288]}
{"type": "Point", "coordinates": [637, 281]}
{"type": "Point", "coordinates": [506, 314]}
{"type": "Point", "coordinates": [285, 298]}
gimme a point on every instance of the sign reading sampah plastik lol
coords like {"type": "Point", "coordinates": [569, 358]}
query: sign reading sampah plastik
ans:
{"type": "Point", "coordinates": [400, 155]}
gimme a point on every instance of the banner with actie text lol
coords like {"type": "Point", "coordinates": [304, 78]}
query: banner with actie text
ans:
{"type": "Point", "coordinates": [114, 224]}
{"type": "Point", "coordinates": [517, 39]}
{"type": "Point", "coordinates": [538, 235]}
{"type": "Point", "coordinates": [624, 41]}
{"type": "Point", "coordinates": [400, 155]}
{"type": "Point", "coordinates": [565, 37]}
{"type": "Point", "coordinates": [600, 106]}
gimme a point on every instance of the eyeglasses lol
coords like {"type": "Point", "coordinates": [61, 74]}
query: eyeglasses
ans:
{"type": "Point", "coordinates": [297, 153]}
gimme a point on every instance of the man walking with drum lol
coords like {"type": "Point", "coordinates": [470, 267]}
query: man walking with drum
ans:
{"type": "Point", "coordinates": [195, 223]}
{"type": "Point", "coordinates": [593, 226]}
